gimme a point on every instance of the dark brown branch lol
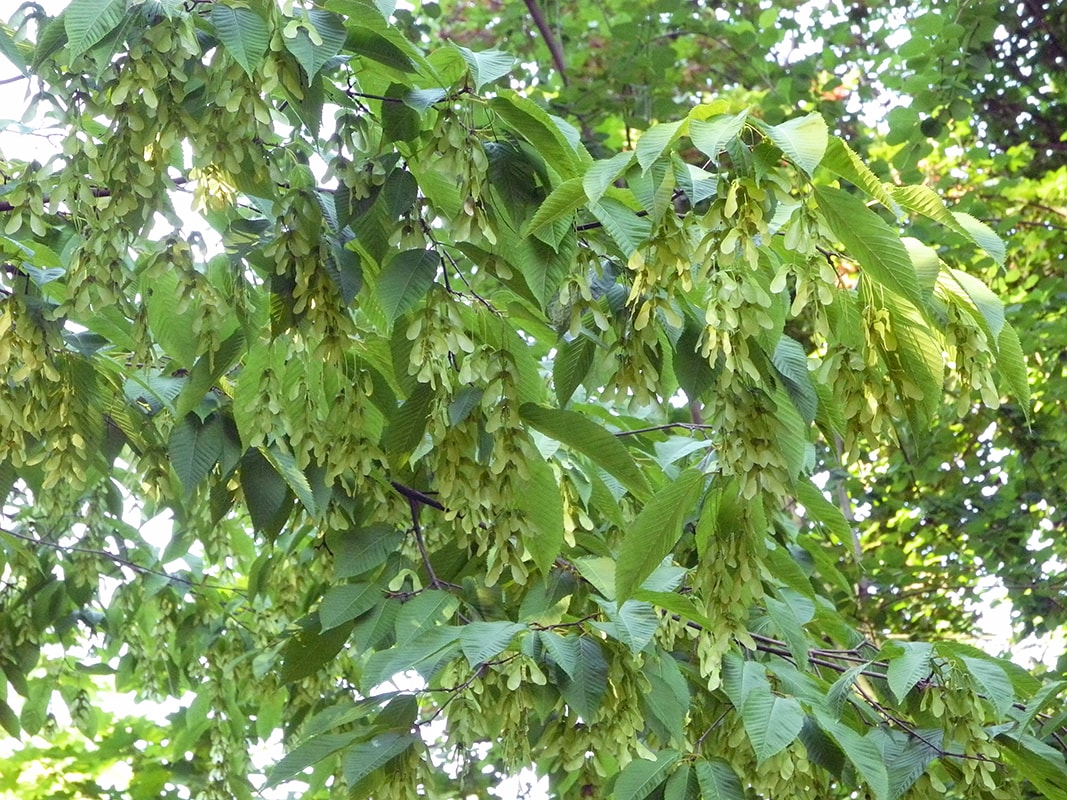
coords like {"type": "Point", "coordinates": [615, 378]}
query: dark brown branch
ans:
{"type": "Point", "coordinates": [550, 40]}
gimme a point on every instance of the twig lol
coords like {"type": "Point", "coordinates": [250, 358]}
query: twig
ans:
{"type": "Point", "coordinates": [124, 562]}
{"type": "Point", "coordinates": [550, 40]}
{"type": "Point", "coordinates": [689, 426]}
{"type": "Point", "coordinates": [99, 191]}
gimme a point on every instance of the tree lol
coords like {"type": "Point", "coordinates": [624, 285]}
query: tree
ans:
{"type": "Point", "coordinates": [542, 382]}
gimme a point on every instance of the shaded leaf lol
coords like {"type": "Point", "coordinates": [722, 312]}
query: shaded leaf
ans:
{"type": "Point", "coordinates": [405, 279]}
{"type": "Point", "coordinates": [586, 437]}
{"type": "Point", "coordinates": [655, 531]}
{"type": "Point", "coordinates": [243, 33]}
{"type": "Point", "coordinates": [640, 778]}
{"type": "Point", "coordinates": [481, 641]}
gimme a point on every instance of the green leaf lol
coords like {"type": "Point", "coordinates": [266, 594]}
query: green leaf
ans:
{"type": "Point", "coordinates": [308, 754]}
{"type": "Point", "coordinates": [359, 551]}
{"type": "Point", "coordinates": [869, 240]}
{"type": "Point", "coordinates": [843, 161]}
{"type": "Point", "coordinates": [573, 360]}
{"type": "Point", "coordinates": [540, 129]}
{"type": "Point", "coordinates": [481, 641]}
{"type": "Point", "coordinates": [581, 434]}
{"type": "Point", "coordinates": [346, 602]}
{"type": "Point", "coordinates": [587, 681]}
{"type": "Point", "coordinates": [243, 33]}
{"type": "Point", "coordinates": [405, 279]}
{"type": "Point", "coordinates": [791, 362]}
{"type": "Point", "coordinates": [657, 139]}
{"type": "Point", "coordinates": [1041, 764]}
{"type": "Point", "coordinates": [740, 678]}
{"type": "Point", "coordinates": [9, 720]}
{"type": "Point", "coordinates": [655, 531]}
{"type": "Point", "coordinates": [1011, 363]}
{"type": "Point", "coordinates": [564, 650]}
{"type": "Point", "coordinates": [635, 623]}
{"type": "Point", "coordinates": [363, 759]}
{"type": "Point", "coordinates": [862, 751]}
{"type": "Point", "coordinates": [601, 174]}
{"type": "Point", "coordinates": [803, 140]}
{"type": "Point", "coordinates": [667, 699]}
{"type": "Point", "coordinates": [172, 329]}
{"type": "Point", "coordinates": [992, 683]}
{"type": "Point", "coordinates": [89, 21]}
{"type": "Point", "coordinates": [718, 781]}
{"type": "Point", "coordinates": [408, 425]}
{"type": "Point", "coordinates": [544, 266]}
{"type": "Point", "coordinates": [906, 670]}
{"type": "Point", "coordinates": [771, 722]}
{"type": "Point", "coordinates": [266, 494]}
{"type": "Point", "coordinates": [486, 66]}
{"type": "Point", "coordinates": [194, 448]}
{"type": "Point", "coordinates": [987, 303]}
{"type": "Point", "coordinates": [564, 200]}
{"type": "Point", "coordinates": [623, 224]}
{"type": "Point", "coordinates": [311, 56]}
{"type": "Point", "coordinates": [285, 465]}
{"type": "Point", "coordinates": [982, 235]}
{"type": "Point", "coordinates": [640, 778]}
{"type": "Point", "coordinates": [710, 136]}
{"type": "Point", "coordinates": [310, 649]}
{"type": "Point", "coordinates": [542, 507]}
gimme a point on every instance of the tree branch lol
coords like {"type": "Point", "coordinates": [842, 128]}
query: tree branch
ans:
{"type": "Point", "coordinates": [550, 40]}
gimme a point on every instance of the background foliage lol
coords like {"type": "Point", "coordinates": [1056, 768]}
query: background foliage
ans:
{"type": "Point", "coordinates": [644, 382]}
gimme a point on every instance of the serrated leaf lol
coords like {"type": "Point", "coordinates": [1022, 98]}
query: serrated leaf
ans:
{"type": "Point", "coordinates": [565, 650]}
{"type": "Point", "coordinates": [286, 466]}
{"type": "Point", "coordinates": [771, 722]}
{"type": "Point", "coordinates": [481, 641]}
{"type": "Point", "coordinates": [1042, 765]}
{"type": "Point", "coordinates": [564, 200]}
{"type": "Point", "coordinates": [657, 139]}
{"type": "Point", "coordinates": [360, 551]}
{"type": "Point", "coordinates": [346, 602]}
{"type": "Point", "coordinates": [311, 56]}
{"type": "Point", "coordinates": [542, 507]}
{"type": "Point", "coordinates": [266, 494]}
{"type": "Point", "coordinates": [908, 669]}
{"type": "Point", "coordinates": [667, 699]}
{"type": "Point", "coordinates": [405, 279]}
{"type": "Point", "coordinates": [361, 760]}
{"type": "Point", "coordinates": [925, 260]}
{"type": "Point", "coordinates": [710, 136]}
{"type": "Point", "coordinates": [640, 778]}
{"type": "Point", "coordinates": [89, 21]}
{"type": "Point", "coordinates": [992, 682]}
{"type": "Point", "coordinates": [655, 531]}
{"type": "Point", "coordinates": [408, 424]}
{"type": "Point", "coordinates": [843, 161]}
{"type": "Point", "coordinates": [988, 304]}
{"type": "Point", "coordinates": [635, 623]}
{"type": "Point", "coordinates": [540, 129]}
{"type": "Point", "coordinates": [308, 651]}
{"type": "Point", "coordinates": [243, 33]}
{"type": "Point", "coordinates": [544, 266]}
{"type": "Point", "coordinates": [580, 433]}
{"type": "Point", "coordinates": [982, 235]}
{"type": "Point", "coordinates": [803, 140]}
{"type": "Point", "coordinates": [869, 240]}
{"type": "Point", "coordinates": [1011, 363]}
{"type": "Point", "coordinates": [194, 448]}
{"type": "Point", "coordinates": [791, 362]}
{"type": "Point", "coordinates": [588, 681]}
{"type": "Point", "coordinates": [9, 720]}
{"type": "Point", "coordinates": [486, 66]}
{"type": "Point", "coordinates": [718, 781]}
{"type": "Point", "coordinates": [601, 174]}
{"type": "Point", "coordinates": [573, 360]}
{"type": "Point", "coordinates": [628, 229]}
{"type": "Point", "coordinates": [308, 754]}
{"type": "Point", "coordinates": [862, 751]}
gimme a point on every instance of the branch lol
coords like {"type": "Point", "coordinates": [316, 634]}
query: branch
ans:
{"type": "Point", "coordinates": [550, 40]}
{"type": "Point", "coordinates": [117, 559]}
{"type": "Point", "coordinates": [99, 191]}
{"type": "Point", "coordinates": [689, 426]}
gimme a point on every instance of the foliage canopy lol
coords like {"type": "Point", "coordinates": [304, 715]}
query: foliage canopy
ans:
{"type": "Point", "coordinates": [542, 378]}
